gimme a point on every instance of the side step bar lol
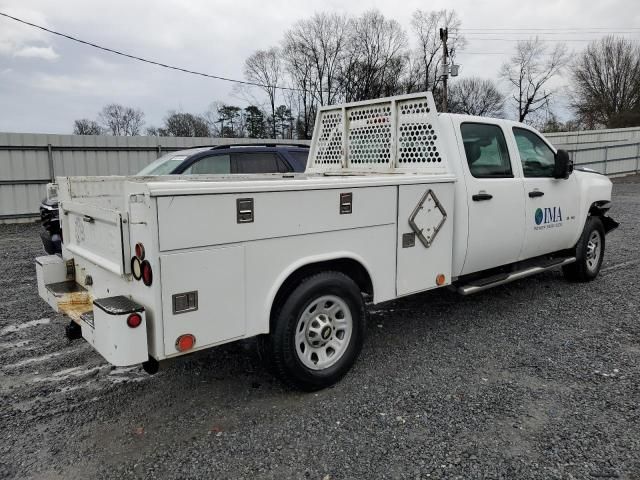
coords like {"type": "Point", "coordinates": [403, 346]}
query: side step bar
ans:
{"type": "Point", "coordinates": [500, 279]}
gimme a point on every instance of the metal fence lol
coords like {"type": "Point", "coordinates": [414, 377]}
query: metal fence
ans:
{"type": "Point", "coordinates": [612, 160]}
{"type": "Point", "coordinates": [29, 161]}
{"type": "Point", "coordinates": [594, 138]}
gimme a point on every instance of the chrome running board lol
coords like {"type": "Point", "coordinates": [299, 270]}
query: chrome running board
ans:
{"type": "Point", "coordinates": [500, 279]}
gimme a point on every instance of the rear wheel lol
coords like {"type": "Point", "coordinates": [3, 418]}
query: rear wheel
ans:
{"type": "Point", "coordinates": [589, 253]}
{"type": "Point", "coordinates": [318, 332]}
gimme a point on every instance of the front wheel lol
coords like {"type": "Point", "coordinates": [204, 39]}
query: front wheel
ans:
{"type": "Point", "coordinates": [318, 332]}
{"type": "Point", "coordinates": [589, 253]}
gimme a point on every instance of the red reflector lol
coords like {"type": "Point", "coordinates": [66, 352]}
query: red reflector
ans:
{"type": "Point", "coordinates": [136, 268]}
{"type": "Point", "coordinates": [185, 342]}
{"type": "Point", "coordinates": [140, 251]}
{"type": "Point", "coordinates": [147, 274]}
{"type": "Point", "coordinates": [134, 320]}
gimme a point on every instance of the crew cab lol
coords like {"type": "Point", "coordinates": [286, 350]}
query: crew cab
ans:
{"type": "Point", "coordinates": [396, 200]}
{"type": "Point", "coordinates": [221, 159]}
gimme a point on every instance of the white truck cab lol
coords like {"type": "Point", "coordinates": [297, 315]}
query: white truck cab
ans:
{"type": "Point", "coordinates": [397, 199]}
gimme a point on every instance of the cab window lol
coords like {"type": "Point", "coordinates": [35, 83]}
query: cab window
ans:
{"type": "Point", "coordinates": [214, 164]}
{"type": "Point", "coordinates": [486, 150]}
{"type": "Point", "coordinates": [538, 160]}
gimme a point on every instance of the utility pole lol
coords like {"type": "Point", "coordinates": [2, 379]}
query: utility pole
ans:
{"type": "Point", "coordinates": [444, 36]}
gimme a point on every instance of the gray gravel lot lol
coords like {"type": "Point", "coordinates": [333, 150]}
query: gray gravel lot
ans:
{"type": "Point", "coordinates": [537, 379]}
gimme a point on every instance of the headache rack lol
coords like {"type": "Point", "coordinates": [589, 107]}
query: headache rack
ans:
{"type": "Point", "coordinates": [388, 134]}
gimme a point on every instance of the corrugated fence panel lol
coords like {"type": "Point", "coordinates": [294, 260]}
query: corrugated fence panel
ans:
{"type": "Point", "coordinates": [21, 200]}
{"type": "Point", "coordinates": [29, 160]}
{"type": "Point", "coordinates": [569, 140]}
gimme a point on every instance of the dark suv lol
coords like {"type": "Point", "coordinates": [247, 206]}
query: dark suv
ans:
{"type": "Point", "coordinates": [221, 159]}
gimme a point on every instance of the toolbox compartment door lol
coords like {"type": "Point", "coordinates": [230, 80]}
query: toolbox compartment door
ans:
{"type": "Point", "coordinates": [203, 294]}
{"type": "Point", "coordinates": [424, 211]}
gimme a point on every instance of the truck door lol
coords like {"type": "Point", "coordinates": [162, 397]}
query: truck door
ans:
{"type": "Point", "coordinates": [494, 197]}
{"type": "Point", "coordinates": [551, 204]}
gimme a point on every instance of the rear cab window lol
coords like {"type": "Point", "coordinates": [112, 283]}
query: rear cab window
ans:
{"type": "Point", "coordinates": [486, 150]}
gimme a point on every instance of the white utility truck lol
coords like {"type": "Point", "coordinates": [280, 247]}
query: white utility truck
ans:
{"type": "Point", "coordinates": [397, 199]}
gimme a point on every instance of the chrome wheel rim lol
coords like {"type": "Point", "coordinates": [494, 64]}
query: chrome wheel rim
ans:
{"type": "Point", "coordinates": [323, 332]}
{"type": "Point", "coordinates": [594, 250]}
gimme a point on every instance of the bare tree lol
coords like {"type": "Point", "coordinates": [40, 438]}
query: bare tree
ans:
{"type": "Point", "coordinates": [375, 57]}
{"type": "Point", "coordinates": [529, 73]}
{"type": "Point", "coordinates": [264, 67]}
{"type": "Point", "coordinates": [428, 54]}
{"type": "Point", "coordinates": [301, 73]}
{"type": "Point", "coordinates": [476, 96]}
{"type": "Point", "coordinates": [322, 39]}
{"type": "Point", "coordinates": [84, 126]}
{"type": "Point", "coordinates": [120, 120]}
{"type": "Point", "coordinates": [606, 83]}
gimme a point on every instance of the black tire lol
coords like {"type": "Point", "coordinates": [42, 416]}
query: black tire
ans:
{"type": "Point", "coordinates": [288, 324]}
{"type": "Point", "coordinates": [586, 267]}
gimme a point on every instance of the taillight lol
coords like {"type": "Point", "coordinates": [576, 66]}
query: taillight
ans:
{"type": "Point", "coordinates": [147, 273]}
{"type": "Point", "coordinates": [136, 268]}
{"type": "Point", "coordinates": [139, 251]}
{"type": "Point", "coordinates": [134, 320]}
{"type": "Point", "coordinates": [185, 342]}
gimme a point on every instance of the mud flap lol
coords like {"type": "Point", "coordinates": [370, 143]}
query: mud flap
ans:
{"type": "Point", "coordinates": [609, 224]}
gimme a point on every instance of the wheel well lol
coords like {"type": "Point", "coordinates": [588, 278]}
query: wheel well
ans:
{"type": "Point", "coordinates": [599, 208]}
{"type": "Point", "coordinates": [351, 268]}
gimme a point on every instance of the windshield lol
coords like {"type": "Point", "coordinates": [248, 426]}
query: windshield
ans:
{"type": "Point", "coordinates": [163, 166]}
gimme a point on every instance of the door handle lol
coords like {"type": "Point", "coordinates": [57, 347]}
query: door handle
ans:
{"type": "Point", "coordinates": [481, 196]}
{"type": "Point", "coordinates": [536, 193]}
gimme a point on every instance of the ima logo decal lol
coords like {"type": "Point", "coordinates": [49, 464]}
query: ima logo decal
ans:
{"type": "Point", "coordinates": [544, 216]}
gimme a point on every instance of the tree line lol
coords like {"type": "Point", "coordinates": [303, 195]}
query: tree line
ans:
{"type": "Point", "coordinates": [220, 120]}
{"type": "Point", "coordinates": [332, 58]}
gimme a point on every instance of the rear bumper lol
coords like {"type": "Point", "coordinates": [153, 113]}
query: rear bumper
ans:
{"type": "Point", "coordinates": [103, 321]}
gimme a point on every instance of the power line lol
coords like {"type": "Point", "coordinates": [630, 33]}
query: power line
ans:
{"type": "Point", "coordinates": [467, 37]}
{"type": "Point", "coordinates": [527, 32]}
{"type": "Point", "coordinates": [146, 60]}
{"type": "Point", "coordinates": [565, 29]}
{"type": "Point", "coordinates": [471, 35]}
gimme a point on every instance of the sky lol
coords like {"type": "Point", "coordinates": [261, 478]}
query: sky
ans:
{"type": "Point", "coordinates": [46, 82]}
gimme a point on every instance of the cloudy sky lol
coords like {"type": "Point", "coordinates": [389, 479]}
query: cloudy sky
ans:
{"type": "Point", "coordinates": [46, 82]}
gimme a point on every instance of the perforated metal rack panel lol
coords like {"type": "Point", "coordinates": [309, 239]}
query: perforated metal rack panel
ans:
{"type": "Point", "coordinates": [417, 144]}
{"type": "Point", "coordinates": [379, 135]}
{"type": "Point", "coordinates": [369, 130]}
{"type": "Point", "coordinates": [328, 145]}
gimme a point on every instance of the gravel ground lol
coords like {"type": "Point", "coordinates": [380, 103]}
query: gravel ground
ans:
{"type": "Point", "coordinates": [537, 379]}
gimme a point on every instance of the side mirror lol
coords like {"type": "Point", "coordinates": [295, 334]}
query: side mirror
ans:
{"type": "Point", "coordinates": [563, 165]}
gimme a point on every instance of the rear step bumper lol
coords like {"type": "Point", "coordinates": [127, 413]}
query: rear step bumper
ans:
{"type": "Point", "coordinates": [103, 322]}
{"type": "Point", "coordinates": [500, 279]}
